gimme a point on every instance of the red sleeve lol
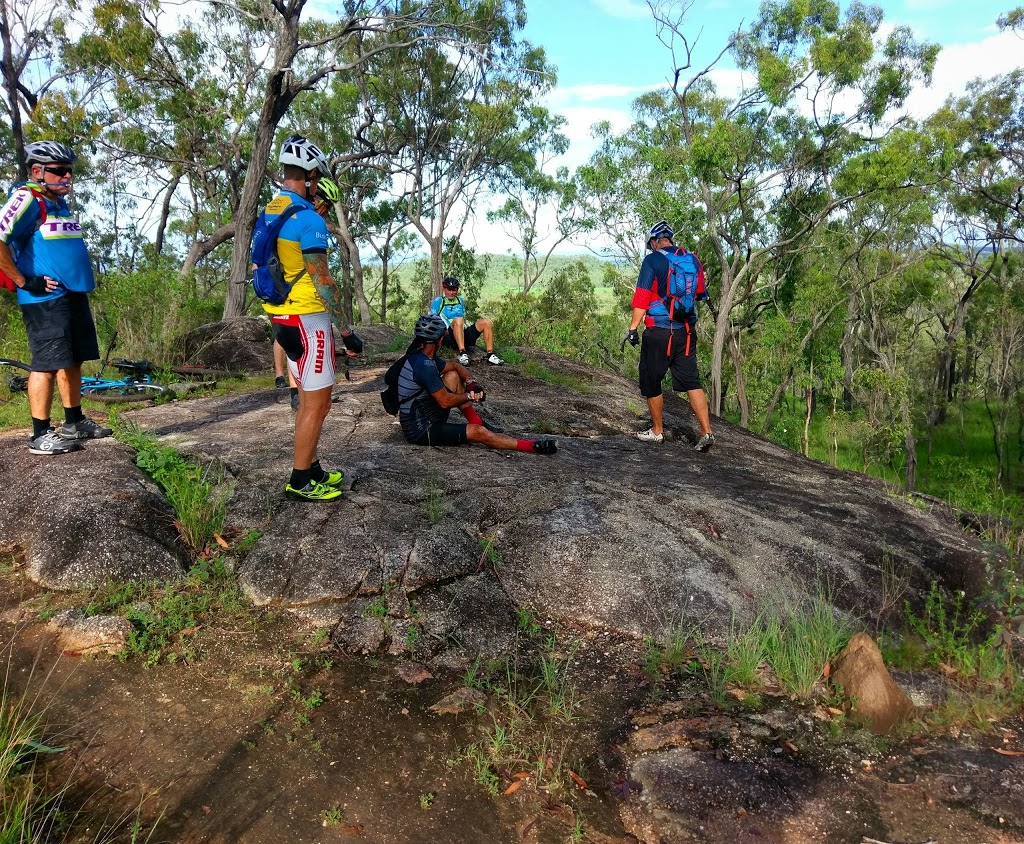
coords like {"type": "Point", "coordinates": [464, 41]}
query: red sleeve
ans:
{"type": "Point", "coordinates": [642, 298]}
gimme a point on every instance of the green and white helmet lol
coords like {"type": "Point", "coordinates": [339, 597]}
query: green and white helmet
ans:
{"type": "Point", "coordinates": [304, 154]}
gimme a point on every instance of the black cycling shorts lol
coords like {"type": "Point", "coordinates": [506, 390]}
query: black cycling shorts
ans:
{"type": "Point", "coordinates": [443, 434]}
{"type": "Point", "coordinates": [656, 359]}
{"type": "Point", "coordinates": [471, 334]}
{"type": "Point", "coordinates": [61, 333]}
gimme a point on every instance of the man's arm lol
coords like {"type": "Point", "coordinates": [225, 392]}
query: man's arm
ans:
{"type": "Point", "coordinates": [330, 295]}
{"type": "Point", "coordinates": [37, 284]}
{"type": "Point", "coordinates": [463, 396]}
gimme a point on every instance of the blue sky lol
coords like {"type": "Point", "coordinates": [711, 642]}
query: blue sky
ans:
{"type": "Point", "coordinates": [607, 52]}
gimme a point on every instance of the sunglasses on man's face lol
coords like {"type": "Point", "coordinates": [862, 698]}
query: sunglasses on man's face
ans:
{"type": "Point", "coordinates": [59, 171]}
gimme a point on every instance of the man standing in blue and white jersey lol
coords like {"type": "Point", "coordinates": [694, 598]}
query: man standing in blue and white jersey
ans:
{"type": "Point", "coordinates": [43, 251]}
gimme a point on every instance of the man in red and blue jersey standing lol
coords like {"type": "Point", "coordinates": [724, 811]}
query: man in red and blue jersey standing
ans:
{"type": "Point", "coordinates": [43, 252]}
{"type": "Point", "coordinates": [669, 338]}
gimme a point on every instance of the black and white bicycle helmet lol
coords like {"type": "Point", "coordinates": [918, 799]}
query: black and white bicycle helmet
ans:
{"type": "Point", "coordinates": [303, 153]}
{"type": "Point", "coordinates": [430, 327]}
{"type": "Point", "coordinates": [48, 152]}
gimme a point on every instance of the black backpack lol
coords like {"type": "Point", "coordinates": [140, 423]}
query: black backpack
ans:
{"type": "Point", "coordinates": [389, 395]}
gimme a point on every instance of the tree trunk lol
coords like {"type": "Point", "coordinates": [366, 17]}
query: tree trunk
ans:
{"type": "Point", "coordinates": [277, 97]}
{"type": "Point", "coordinates": [356, 264]}
{"type": "Point", "coordinates": [201, 248]}
{"type": "Point", "coordinates": [436, 264]}
{"type": "Point", "coordinates": [165, 213]}
{"type": "Point", "coordinates": [741, 384]}
{"type": "Point", "coordinates": [11, 87]}
{"type": "Point", "coordinates": [910, 470]}
{"type": "Point", "coordinates": [383, 288]}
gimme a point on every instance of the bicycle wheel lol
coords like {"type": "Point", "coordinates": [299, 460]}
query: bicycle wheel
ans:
{"type": "Point", "coordinates": [122, 393]}
{"type": "Point", "coordinates": [15, 374]}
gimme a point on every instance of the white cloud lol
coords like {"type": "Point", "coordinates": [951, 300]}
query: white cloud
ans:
{"type": "Point", "coordinates": [961, 63]}
{"type": "Point", "coordinates": [598, 91]}
{"type": "Point", "coordinates": [631, 9]}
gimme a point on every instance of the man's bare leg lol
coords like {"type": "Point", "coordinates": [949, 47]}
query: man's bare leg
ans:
{"type": "Point", "coordinates": [309, 423]}
{"type": "Point", "coordinates": [699, 403]}
{"type": "Point", "coordinates": [40, 393]}
{"type": "Point", "coordinates": [656, 405]}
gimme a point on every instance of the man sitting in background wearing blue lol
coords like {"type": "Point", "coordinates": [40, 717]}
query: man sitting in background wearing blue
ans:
{"type": "Point", "coordinates": [451, 307]}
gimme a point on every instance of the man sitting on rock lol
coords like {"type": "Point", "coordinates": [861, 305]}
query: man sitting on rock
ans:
{"type": "Point", "coordinates": [451, 307]}
{"type": "Point", "coordinates": [429, 387]}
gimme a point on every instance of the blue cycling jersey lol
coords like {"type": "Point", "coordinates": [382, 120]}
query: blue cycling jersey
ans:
{"type": "Point", "coordinates": [448, 309]}
{"type": "Point", "coordinates": [55, 248]}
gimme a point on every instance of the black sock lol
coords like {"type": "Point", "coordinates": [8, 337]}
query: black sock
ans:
{"type": "Point", "coordinates": [73, 414]}
{"type": "Point", "coordinates": [293, 391]}
{"type": "Point", "coordinates": [316, 472]}
{"type": "Point", "coordinates": [300, 477]}
{"type": "Point", "coordinates": [39, 427]}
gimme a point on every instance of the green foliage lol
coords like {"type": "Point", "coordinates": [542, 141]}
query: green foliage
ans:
{"type": "Point", "coordinates": [534, 703]}
{"type": "Point", "coordinates": [150, 309]}
{"type": "Point", "coordinates": [166, 618]}
{"type": "Point", "coordinates": [800, 638]}
{"type": "Point", "coordinates": [197, 495]}
{"type": "Point", "coordinates": [948, 631]}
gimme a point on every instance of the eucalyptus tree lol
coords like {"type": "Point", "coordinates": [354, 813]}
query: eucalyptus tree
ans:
{"type": "Point", "coordinates": [38, 88]}
{"type": "Point", "coordinates": [543, 208]}
{"type": "Point", "coordinates": [466, 115]}
{"type": "Point", "coordinates": [388, 232]}
{"type": "Point", "coordinates": [981, 139]}
{"type": "Point", "coordinates": [758, 167]}
{"type": "Point", "coordinates": [248, 71]}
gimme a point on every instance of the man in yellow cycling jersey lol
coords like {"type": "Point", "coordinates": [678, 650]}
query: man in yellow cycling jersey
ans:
{"type": "Point", "coordinates": [302, 323]}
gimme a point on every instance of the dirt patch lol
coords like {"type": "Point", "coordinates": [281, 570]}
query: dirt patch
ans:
{"type": "Point", "coordinates": [274, 735]}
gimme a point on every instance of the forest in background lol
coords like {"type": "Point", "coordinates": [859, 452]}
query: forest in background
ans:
{"type": "Point", "coordinates": [867, 289]}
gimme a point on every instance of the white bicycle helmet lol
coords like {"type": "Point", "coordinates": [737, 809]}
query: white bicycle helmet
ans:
{"type": "Point", "coordinates": [303, 153]}
{"type": "Point", "coordinates": [48, 152]}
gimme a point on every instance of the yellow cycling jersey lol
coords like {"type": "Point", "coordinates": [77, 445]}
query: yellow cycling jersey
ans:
{"type": "Point", "coordinates": [305, 232]}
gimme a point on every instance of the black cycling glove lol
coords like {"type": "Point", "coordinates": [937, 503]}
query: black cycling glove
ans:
{"type": "Point", "coordinates": [474, 387]}
{"type": "Point", "coordinates": [35, 284]}
{"type": "Point", "coordinates": [352, 342]}
{"type": "Point", "coordinates": [633, 337]}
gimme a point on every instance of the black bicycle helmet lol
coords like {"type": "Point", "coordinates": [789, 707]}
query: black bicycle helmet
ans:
{"type": "Point", "coordinates": [48, 152]}
{"type": "Point", "coordinates": [660, 229]}
{"type": "Point", "coordinates": [430, 327]}
{"type": "Point", "coordinates": [450, 282]}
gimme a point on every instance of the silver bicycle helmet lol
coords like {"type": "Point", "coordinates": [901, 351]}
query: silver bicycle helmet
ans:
{"type": "Point", "coordinates": [430, 327]}
{"type": "Point", "coordinates": [660, 229]}
{"type": "Point", "coordinates": [303, 153]}
{"type": "Point", "coordinates": [48, 152]}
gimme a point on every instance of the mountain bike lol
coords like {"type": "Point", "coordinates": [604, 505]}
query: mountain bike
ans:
{"type": "Point", "coordinates": [136, 384]}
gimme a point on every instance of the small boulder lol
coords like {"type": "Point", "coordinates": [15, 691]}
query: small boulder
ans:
{"type": "Point", "coordinates": [461, 700]}
{"type": "Point", "coordinates": [78, 634]}
{"type": "Point", "coordinates": [874, 700]}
